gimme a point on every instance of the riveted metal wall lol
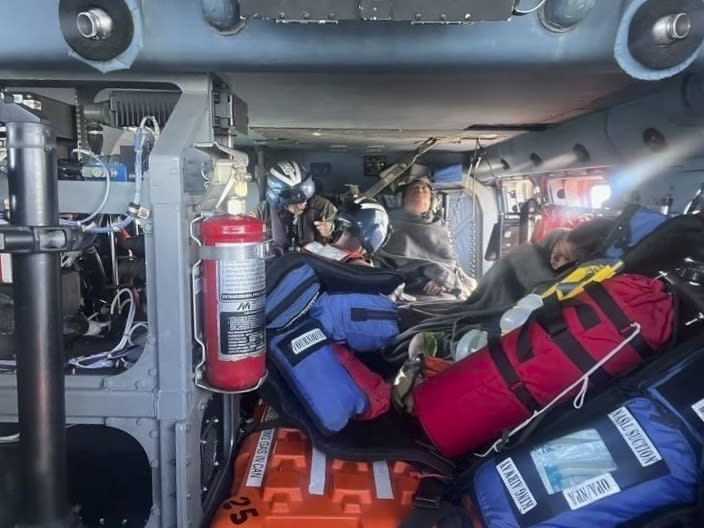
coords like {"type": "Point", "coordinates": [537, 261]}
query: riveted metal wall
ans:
{"type": "Point", "coordinates": [464, 218]}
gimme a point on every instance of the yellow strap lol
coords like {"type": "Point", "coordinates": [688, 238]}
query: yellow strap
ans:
{"type": "Point", "coordinates": [575, 282]}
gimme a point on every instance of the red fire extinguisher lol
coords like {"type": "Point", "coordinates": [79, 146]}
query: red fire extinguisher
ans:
{"type": "Point", "coordinates": [233, 301]}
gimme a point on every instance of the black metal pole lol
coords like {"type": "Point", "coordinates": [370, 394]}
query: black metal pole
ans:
{"type": "Point", "coordinates": [32, 178]}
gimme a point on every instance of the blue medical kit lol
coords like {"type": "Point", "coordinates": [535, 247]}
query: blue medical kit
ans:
{"type": "Point", "coordinates": [617, 467]}
{"type": "Point", "coordinates": [366, 322]}
{"type": "Point", "coordinates": [292, 297]}
{"type": "Point", "coordinates": [304, 357]}
{"type": "Point", "coordinates": [302, 322]}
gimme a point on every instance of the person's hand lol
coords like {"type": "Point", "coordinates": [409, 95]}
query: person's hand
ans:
{"type": "Point", "coordinates": [432, 288]}
{"type": "Point", "coordinates": [324, 228]}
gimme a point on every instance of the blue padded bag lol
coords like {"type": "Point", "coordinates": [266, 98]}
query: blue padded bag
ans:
{"type": "Point", "coordinates": [680, 391]}
{"type": "Point", "coordinates": [365, 321]}
{"type": "Point", "coordinates": [306, 360]}
{"type": "Point", "coordinates": [617, 468]}
{"type": "Point", "coordinates": [634, 224]}
{"type": "Point", "coordinates": [292, 297]}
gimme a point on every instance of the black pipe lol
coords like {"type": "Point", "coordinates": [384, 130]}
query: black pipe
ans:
{"type": "Point", "coordinates": [32, 179]}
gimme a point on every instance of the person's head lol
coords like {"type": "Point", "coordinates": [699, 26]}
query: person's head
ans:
{"type": "Point", "coordinates": [362, 226]}
{"type": "Point", "coordinates": [579, 243]}
{"type": "Point", "coordinates": [289, 186]}
{"type": "Point", "coordinates": [418, 196]}
{"type": "Point", "coordinates": [296, 208]}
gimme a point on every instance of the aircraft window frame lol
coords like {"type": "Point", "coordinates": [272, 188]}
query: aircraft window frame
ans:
{"type": "Point", "coordinates": [579, 189]}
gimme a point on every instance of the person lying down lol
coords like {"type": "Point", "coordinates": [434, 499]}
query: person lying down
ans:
{"type": "Point", "coordinates": [516, 274]}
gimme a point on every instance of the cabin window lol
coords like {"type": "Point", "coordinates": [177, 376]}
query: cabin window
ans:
{"type": "Point", "coordinates": [588, 191]}
{"type": "Point", "coordinates": [598, 194]}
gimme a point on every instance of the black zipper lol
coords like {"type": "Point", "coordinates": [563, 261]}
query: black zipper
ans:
{"type": "Point", "coordinates": [291, 298]}
{"type": "Point", "coordinates": [368, 314]}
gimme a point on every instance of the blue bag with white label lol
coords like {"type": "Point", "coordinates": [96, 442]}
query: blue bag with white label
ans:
{"type": "Point", "coordinates": [623, 466]}
{"type": "Point", "coordinates": [292, 297]}
{"type": "Point", "coordinates": [304, 357]}
{"type": "Point", "coordinates": [366, 322]}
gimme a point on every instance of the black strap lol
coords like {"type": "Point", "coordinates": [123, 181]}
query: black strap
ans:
{"type": "Point", "coordinates": [620, 235]}
{"type": "Point", "coordinates": [524, 346]}
{"type": "Point", "coordinates": [274, 423]}
{"type": "Point", "coordinates": [429, 518]}
{"type": "Point", "coordinates": [498, 355]}
{"type": "Point", "coordinates": [429, 509]}
{"type": "Point", "coordinates": [587, 316]}
{"type": "Point", "coordinates": [618, 318]}
{"type": "Point", "coordinates": [552, 322]}
{"type": "Point", "coordinates": [551, 318]}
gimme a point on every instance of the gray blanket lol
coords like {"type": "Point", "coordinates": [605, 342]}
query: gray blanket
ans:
{"type": "Point", "coordinates": [515, 275]}
{"type": "Point", "coordinates": [420, 250]}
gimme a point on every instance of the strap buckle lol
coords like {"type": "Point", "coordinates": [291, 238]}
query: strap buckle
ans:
{"type": "Point", "coordinates": [626, 330]}
{"type": "Point", "coordinates": [517, 386]}
{"type": "Point", "coordinates": [426, 503]}
{"type": "Point", "coordinates": [556, 328]}
{"type": "Point", "coordinates": [429, 494]}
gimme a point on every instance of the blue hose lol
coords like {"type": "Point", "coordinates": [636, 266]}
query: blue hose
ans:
{"type": "Point", "coordinates": [112, 228]}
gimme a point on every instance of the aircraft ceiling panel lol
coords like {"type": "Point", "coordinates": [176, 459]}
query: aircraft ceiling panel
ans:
{"type": "Point", "coordinates": [399, 109]}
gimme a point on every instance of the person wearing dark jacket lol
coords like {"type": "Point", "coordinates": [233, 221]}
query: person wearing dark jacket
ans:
{"type": "Point", "coordinates": [361, 227]}
{"type": "Point", "coordinates": [420, 248]}
{"type": "Point", "coordinates": [294, 215]}
{"type": "Point", "coordinates": [533, 263]}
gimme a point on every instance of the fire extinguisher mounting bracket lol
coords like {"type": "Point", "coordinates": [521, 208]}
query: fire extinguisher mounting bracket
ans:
{"type": "Point", "coordinates": [222, 252]}
{"type": "Point", "coordinates": [202, 382]}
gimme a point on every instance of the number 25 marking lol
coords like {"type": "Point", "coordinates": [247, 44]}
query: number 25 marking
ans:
{"type": "Point", "coordinates": [241, 516]}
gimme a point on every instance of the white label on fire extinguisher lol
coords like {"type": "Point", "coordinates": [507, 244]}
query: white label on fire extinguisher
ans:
{"type": "Point", "coordinates": [241, 293]}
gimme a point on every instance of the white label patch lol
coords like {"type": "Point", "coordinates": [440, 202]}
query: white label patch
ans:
{"type": "Point", "coordinates": [516, 486]}
{"type": "Point", "coordinates": [5, 268]}
{"type": "Point", "coordinates": [635, 437]}
{"type": "Point", "coordinates": [257, 470]}
{"type": "Point", "coordinates": [318, 468]}
{"type": "Point", "coordinates": [591, 491]}
{"type": "Point", "coordinates": [382, 480]}
{"type": "Point", "coordinates": [698, 408]}
{"type": "Point", "coordinates": [307, 340]}
{"type": "Point", "coordinates": [5, 264]}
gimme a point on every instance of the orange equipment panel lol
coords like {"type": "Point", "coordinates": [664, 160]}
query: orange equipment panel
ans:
{"type": "Point", "coordinates": [281, 481]}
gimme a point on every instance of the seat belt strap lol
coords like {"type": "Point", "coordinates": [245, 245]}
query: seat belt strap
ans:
{"type": "Point", "coordinates": [551, 318]}
{"type": "Point", "coordinates": [618, 318]}
{"type": "Point", "coordinates": [509, 375]}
